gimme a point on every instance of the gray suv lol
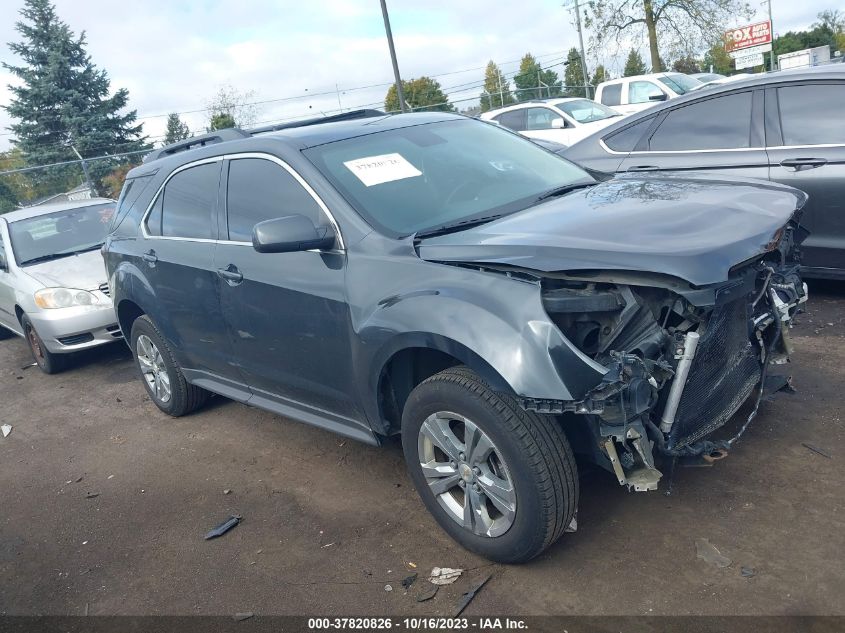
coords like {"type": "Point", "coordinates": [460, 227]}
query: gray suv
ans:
{"type": "Point", "coordinates": [446, 280]}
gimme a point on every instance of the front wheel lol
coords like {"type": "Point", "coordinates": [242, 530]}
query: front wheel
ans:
{"type": "Point", "coordinates": [500, 480]}
{"type": "Point", "coordinates": [47, 361]}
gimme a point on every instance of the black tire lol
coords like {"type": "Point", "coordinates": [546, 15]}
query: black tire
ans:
{"type": "Point", "coordinates": [536, 452]}
{"type": "Point", "coordinates": [47, 361]}
{"type": "Point", "coordinates": [184, 397]}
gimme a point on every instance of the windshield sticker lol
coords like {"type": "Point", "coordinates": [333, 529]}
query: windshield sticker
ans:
{"type": "Point", "coordinates": [376, 170]}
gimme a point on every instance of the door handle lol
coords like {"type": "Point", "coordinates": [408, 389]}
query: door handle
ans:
{"type": "Point", "coordinates": [150, 257]}
{"type": "Point", "coordinates": [643, 168]}
{"type": "Point", "coordinates": [231, 274]}
{"type": "Point", "coordinates": [803, 162]}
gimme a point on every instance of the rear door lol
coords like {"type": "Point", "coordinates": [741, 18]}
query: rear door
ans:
{"type": "Point", "coordinates": [722, 134]}
{"type": "Point", "coordinates": [805, 132]}
{"type": "Point", "coordinates": [538, 124]}
{"type": "Point", "coordinates": [180, 233]}
{"type": "Point", "coordinates": [287, 315]}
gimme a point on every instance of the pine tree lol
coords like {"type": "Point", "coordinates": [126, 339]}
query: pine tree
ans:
{"type": "Point", "coordinates": [497, 90]}
{"type": "Point", "coordinates": [532, 82]}
{"type": "Point", "coordinates": [176, 130]}
{"type": "Point", "coordinates": [63, 100]}
{"type": "Point", "coordinates": [573, 77]}
{"type": "Point", "coordinates": [601, 75]}
{"type": "Point", "coordinates": [634, 65]}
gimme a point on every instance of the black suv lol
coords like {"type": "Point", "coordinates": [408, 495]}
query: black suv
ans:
{"type": "Point", "coordinates": [447, 280]}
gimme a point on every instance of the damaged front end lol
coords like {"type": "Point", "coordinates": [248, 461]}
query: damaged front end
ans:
{"type": "Point", "coordinates": [681, 360]}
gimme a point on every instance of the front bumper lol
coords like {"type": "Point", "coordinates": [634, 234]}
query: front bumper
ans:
{"type": "Point", "coordinates": [72, 329]}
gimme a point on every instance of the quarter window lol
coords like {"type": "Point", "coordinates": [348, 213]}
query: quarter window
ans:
{"type": "Point", "coordinates": [189, 203]}
{"type": "Point", "coordinates": [612, 95]}
{"type": "Point", "coordinates": [261, 190]}
{"type": "Point", "coordinates": [642, 91]}
{"type": "Point", "coordinates": [513, 120]}
{"type": "Point", "coordinates": [806, 113]}
{"type": "Point", "coordinates": [626, 140]}
{"type": "Point", "coordinates": [720, 123]}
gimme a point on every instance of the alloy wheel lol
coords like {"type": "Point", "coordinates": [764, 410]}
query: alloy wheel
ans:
{"type": "Point", "coordinates": [466, 473]}
{"type": "Point", "coordinates": [153, 368]}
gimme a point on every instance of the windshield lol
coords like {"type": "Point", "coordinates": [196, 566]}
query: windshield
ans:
{"type": "Point", "coordinates": [586, 111]}
{"type": "Point", "coordinates": [418, 178]}
{"type": "Point", "coordinates": [61, 233]}
{"type": "Point", "coordinates": [680, 84]}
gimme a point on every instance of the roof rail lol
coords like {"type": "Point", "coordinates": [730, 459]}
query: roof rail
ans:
{"type": "Point", "coordinates": [345, 116]}
{"type": "Point", "coordinates": [218, 136]}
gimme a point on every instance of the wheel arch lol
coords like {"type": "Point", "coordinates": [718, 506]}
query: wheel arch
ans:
{"type": "Point", "coordinates": [127, 312]}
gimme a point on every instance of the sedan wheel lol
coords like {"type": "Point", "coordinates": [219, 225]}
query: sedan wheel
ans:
{"type": "Point", "coordinates": [153, 369]}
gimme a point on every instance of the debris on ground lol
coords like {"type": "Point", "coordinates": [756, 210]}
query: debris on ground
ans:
{"type": "Point", "coordinates": [815, 449]}
{"type": "Point", "coordinates": [469, 595]}
{"type": "Point", "coordinates": [444, 575]}
{"type": "Point", "coordinates": [707, 552]}
{"type": "Point", "coordinates": [92, 495]}
{"type": "Point", "coordinates": [6, 429]}
{"type": "Point", "coordinates": [388, 587]}
{"type": "Point", "coordinates": [227, 492]}
{"type": "Point", "coordinates": [30, 365]}
{"type": "Point", "coordinates": [408, 581]}
{"type": "Point", "coordinates": [240, 617]}
{"type": "Point", "coordinates": [224, 527]}
{"type": "Point", "coordinates": [412, 565]}
{"type": "Point", "coordinates": [427, 593]}
{"type": "Point", "coordinates": [328, 544]}
{"type": "Point", "coordinates": [748, 572]}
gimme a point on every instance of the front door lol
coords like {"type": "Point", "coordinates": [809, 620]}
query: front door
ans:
{"type": "Point", "coordinates": [287, 314]}
{"type": "Point", "coordinates": [806, 149]}
{"type": "Point", "coordinates": [177, 257]}
{"type": "Point", "coordinates": [7, 292]}
{"type": "Point", "coordinates": [717, 136]}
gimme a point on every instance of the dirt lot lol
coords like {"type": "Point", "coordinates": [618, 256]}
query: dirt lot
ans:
{"type": "Point", "coordinates": [328, 523]}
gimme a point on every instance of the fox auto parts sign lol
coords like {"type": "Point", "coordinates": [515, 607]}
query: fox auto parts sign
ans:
{"type": "Point", "coordinates": [747, 36]}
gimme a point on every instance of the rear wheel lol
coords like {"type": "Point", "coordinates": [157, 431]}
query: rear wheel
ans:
{"type": "Point", "coordinates": [160, 373]}
{"type": "Point", "coordinates": [500, 480]}
{"type": "Point", "coordinates": [47, 361]}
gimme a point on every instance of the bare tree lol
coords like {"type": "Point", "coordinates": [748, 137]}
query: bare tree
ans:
{"type": "Point", "coordinates": [233, 107]}
{"type": "Point", "coordinates": [678, 27]}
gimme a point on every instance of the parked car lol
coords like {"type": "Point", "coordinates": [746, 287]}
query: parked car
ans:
{"type": "Point", "coordinates": [435, 277]}
{"type": "Point", "coordinates": [634, 94]}
{"type": "Point", "coordinates": [784, 127]}
{"type": "Point", "coordinates": [561, 120]}
{"type": "Point", "coordinates": [707, 77]}
{"type": "Point", "coordinates": [53, 289]}
{"type": "Point", "coordinates": [557, 148]}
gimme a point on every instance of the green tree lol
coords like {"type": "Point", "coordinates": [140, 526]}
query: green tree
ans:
{"type": "Point", "coordinates": [61, 101]}
{"type": "Point", "coordinates": [176, 130]}
{"type": "Point", "coordinates": [687, 64]}
{"type": "Point", "coordinates": [221, 121]}
{"type": "Point", "coordinates": [718, 60]}
{"type": "Point", "coordinates": [532, 82]}
{"type": "Point", "coordinates": [669, 25]}
{"type": "Point", "coordinates": [601, 75]}
{"type": "Point", "coordinates": [634, 64]}
{"type": "Point", "coordinates": [497, 90]}
{"type": "Point", "coordinates": [573, 76]}
{"type": "Point", "coordinates": [230, 107]}
{"type": "Point", "coordinates": [421, 94]}
{"type": "Point", "coordinates": [8, 199]}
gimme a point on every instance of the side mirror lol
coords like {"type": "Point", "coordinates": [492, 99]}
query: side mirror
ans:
{"type": "Point", "coordinates": [290, 234]}
{"type": "Point", "coordinates": [658, 96]}
{"type": "Point", "coordinates": [558, 123]}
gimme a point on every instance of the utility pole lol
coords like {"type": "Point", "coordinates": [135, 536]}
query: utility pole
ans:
{"type": "Point", "coordinates": [85, 171]}
{"type": "Point", "coordinates": [772, 30]}
{"type": "Point", "coordinates": [583, 54]}
{"type": "Point", "coordinates": [339, 104]}
{"type": "Point", "coordinates": [399, 92]}
{"type": "Point", "coordinates": [501, 92]}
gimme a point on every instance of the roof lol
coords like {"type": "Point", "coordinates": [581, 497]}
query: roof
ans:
{"type": "Point", "coordinates": [632, 77]}
{"type": "Point", "coordinates": [44, 209]}
{"type": "Point", "coordinates": [532, 103]}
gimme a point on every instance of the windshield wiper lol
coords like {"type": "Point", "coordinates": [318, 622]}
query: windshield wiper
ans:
{"type": "Point", "coordinates": [559, 191]}
{"type": "Point", "coordinates": [458, 226]}
{"type": "Point", "coordinates": [46, 258]}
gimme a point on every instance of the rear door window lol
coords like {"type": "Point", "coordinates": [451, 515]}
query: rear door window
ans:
{"type": "Point", "coordinates": [540, 118]}
{"type": "Point", "coordinates": [611, 95]}
{"type": "Point", "coordinates": [642, 91]}
{"type": "Point", "coordinates": [720, 123]}
{"type": "Point", "coordinates": [513, 120]}
{"type": "Point", "coordinates": [189, 202]}
{"type": "Point", "coordinates": [262, 190]}
{"type": "Point", "coordinates": [807, 113]}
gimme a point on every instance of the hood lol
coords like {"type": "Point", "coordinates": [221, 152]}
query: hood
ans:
{"type": "Point", "coordinates": [688, 227]}
{"type": "Point", "coordinates": [85, 271]}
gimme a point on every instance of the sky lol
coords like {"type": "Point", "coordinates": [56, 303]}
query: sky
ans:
{"type": "Point", "coordinates": [306, 59]}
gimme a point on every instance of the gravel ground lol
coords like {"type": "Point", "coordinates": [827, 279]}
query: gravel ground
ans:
{"type": "Point", "coordinates": [104, 502]}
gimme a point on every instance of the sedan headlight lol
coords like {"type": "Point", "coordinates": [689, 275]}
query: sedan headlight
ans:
{"type": "Point", "coordinates": [49, 298]}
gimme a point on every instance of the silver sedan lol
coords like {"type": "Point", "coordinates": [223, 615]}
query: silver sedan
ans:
{"type": "Point", "coordinates": [53, 289]}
